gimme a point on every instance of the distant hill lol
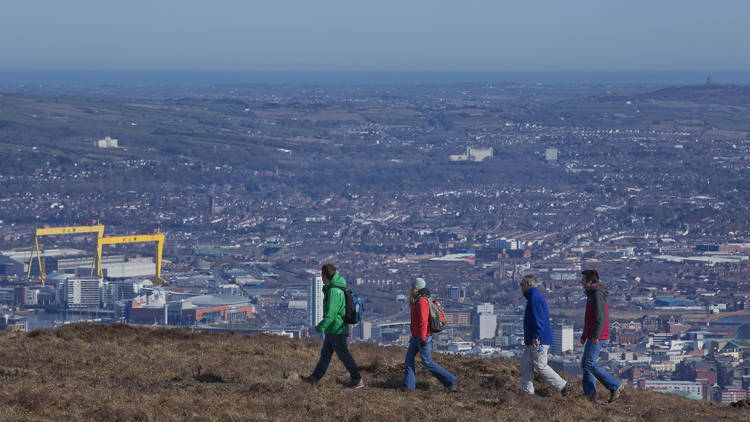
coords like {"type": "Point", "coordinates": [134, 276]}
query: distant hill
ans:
{"type": "Point", "coordinates": [716, 111]}
{"type": "Point", "coordinates": [735, 95]}
{"type": "Point", "coordinates": [119, 372]}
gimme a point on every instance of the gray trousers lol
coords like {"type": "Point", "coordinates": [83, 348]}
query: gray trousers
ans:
{"type": "Point", "coordinates": [533, 360]}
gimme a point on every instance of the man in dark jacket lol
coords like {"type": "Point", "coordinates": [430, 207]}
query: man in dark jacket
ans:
{"type": "Point", "coordinates": [537, 337]}
{"type": "Point", "coordinates": [595, 337]}
{"type": "Point", "coordinates": [335, 329]}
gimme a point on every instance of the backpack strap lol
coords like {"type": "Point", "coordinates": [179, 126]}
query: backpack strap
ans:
{"type": "Point", "coordinates": [343, 308]}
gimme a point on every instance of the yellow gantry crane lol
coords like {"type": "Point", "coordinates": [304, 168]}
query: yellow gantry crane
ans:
{"type": "Point", "coordinates": [36, 249]}
{"type": "Point", "coordinates": [116, 240]}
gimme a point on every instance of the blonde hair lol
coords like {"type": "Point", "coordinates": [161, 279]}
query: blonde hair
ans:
{"type": "Point", "coordinates": [413, 296]}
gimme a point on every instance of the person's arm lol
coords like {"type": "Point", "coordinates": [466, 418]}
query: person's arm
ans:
{"type": "Point", "coordinates": [423, 317]}
{"type": "Point", "coordinates": [539, 312]}
{"type": "Point", "coordinates": [600, 315]}
{"type": "Point", "coordinates": [330, 312]}
{"type": "Point", "coordinates": [585, 323]}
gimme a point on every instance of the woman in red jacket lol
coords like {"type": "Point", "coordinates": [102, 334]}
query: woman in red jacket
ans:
{"type": "Point", "coordinates": [421, 340]}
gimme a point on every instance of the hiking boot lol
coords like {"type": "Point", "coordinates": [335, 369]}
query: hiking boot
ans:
{"type": "Point", "coordinates": [355, 384]}
{"type": "Point", "coordinates": [614, 395]}
{"type": "Point", "coordinates": [453, 388]}
{"type": "Point", "coordinates": [309, 379]}
{"type": "Point", "coordinates": [567, 389]}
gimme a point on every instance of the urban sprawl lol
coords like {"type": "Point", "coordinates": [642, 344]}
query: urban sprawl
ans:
{"type": "Point", "coordinates": [470, 187]}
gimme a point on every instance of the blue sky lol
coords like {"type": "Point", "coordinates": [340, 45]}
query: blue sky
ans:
{"type": "Point", "coordinates": [375, 35]}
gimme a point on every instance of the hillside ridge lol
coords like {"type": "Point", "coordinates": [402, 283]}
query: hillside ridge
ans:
{"type": "Point", "coordinates": [120, 372]}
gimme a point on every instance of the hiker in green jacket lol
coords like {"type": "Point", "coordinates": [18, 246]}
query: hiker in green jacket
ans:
{"type": "Point", "coordinates": [336, 331]}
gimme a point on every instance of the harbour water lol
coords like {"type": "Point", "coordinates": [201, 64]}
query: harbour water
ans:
{"type": "Point", "coordinates": [54, 319]}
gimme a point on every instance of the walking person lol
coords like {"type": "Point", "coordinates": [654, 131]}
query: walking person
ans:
{"type": "Point", "coordinates": [421, 340]}
{"type": "Point", "coordinates": [595, 337]}
{"type": "Point", "coordinates": [335, 329]}
{"type": "Point", "coordinates": [537, 337]}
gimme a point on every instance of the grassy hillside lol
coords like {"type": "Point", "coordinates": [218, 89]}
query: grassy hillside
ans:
{"type": "Point", "coordinates": [96, 372]}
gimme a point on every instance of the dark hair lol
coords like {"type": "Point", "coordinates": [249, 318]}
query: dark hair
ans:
{"type": "Point", "coordinates": [591, 275]}
{"type": "Point", "coordinates": [328, 271]}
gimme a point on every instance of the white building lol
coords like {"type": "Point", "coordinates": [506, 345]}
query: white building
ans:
{"type": "Point", "coordinates": [485, 308]}
{"type": "Point", "coordinates": [106, 143]}
{"type": "Point", "coordinates": [31, 297]}
{"type": "Point", "coordinates": [315, 301]}
{"type": "Point", "coordinates": [487, 326]}
{"type": "Point", "coordinates": [132, 268]}
{"type": "Point", "coordinates": [486, 321]}
{"type": "Point", "coordinates": [119, 290]}
{"type": "Point", "coordinates": [363, 330]}
{"type": "Point", "coordinates": [551, 154]}
{"type": "Point", "coordinates": [478, 154]}
{"type": "Point", "coordinates": [562, 338]}
{"type": "Point", "coordinates": [297, 304]}
{"type": "Point", "coordinates": [80, 292]}
{"type": "Point", "coordinates": [460, 347]}
{"type": "Point", "coordinates": [474, 154]}
{"type": "Point", "coordinates": [693, 389]}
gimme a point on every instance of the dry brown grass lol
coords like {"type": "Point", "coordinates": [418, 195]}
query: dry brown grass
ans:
{"type": "Point", "coordinates": [123, 373]}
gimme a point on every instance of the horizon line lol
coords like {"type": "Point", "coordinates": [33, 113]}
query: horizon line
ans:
{"type": "Point", "coordinates": [364, 77]}
{"type": "Point", "coordinates": [425, 70]}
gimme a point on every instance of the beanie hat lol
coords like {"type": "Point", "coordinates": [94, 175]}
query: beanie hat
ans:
{"type": "Point", "coordinates": [419, 283]}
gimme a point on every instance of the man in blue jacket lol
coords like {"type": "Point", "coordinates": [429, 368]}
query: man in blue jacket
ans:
{"type": "Point", "coordinates": [537, 337]}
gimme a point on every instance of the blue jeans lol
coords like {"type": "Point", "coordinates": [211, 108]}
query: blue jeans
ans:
{"type": "Point", "coordinates": [593, 372]}
{"type": "Point", "coordinates": [337, 343]}
{"type": "Point", "coordinates": [410, 379]}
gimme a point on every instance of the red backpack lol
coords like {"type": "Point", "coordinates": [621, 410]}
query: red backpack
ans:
{"type": "Point", "coordinates": [437, 316]}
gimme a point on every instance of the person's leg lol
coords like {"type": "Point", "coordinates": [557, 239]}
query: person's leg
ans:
{"type": "Point", "coordinates": [608, 381]}
{"type": "Point", "coordinates": [445, 377]}
{"type": "Point", "coordinates": [410, 378]}
{"type": "Point", "coordinates": [325, 358]}
{"type": "Point", "coordinates": [589, 382]}
{"type": "Point", "coordinates": [527, 372]}
{"type": "Point", "coordinates": [342, 351]}
{"type": "Point", "coordinates": [548, 374]}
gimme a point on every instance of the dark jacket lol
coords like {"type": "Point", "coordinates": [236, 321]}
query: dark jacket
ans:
{"type": "Point", "coordinates": [420, 316]}
{"type": "Point", "coordinates": [596, 321]}
{"type": "Point", "coordinates": [334, 307]}
{"type": "Point", "coordinates": [536, 318]}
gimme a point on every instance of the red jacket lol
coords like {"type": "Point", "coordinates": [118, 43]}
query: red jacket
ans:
{"type": "Point", "coordinates": [596, 321]}
{"type": "Point", "coordinates": [420, 318]}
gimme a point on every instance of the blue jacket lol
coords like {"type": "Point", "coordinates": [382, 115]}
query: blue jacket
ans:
{"type": "Point", "coordinates": [536, 318]}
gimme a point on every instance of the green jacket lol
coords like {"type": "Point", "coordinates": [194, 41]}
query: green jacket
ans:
{"type": "Point", "coordinates": [334, 307]}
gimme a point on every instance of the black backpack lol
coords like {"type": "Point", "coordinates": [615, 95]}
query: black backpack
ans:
{"type": "Point", "coordinates": [353, 307]}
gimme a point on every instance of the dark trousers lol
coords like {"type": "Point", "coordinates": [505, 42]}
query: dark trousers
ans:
{"type": "Point", "coordinates": [335, 343]}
